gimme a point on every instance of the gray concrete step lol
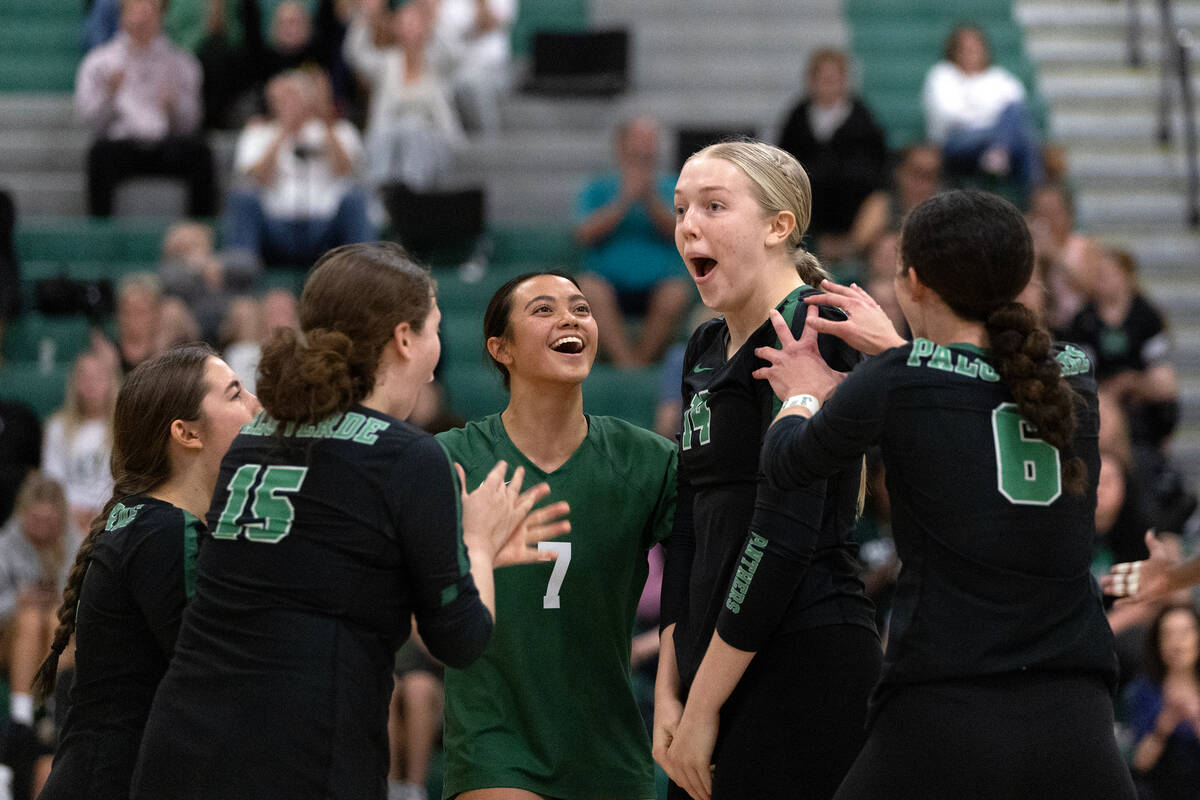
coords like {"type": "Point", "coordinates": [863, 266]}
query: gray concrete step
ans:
{"type": "Point", "coordinates": [1109, 16]}
{"type": "Point", "coordinates": [707, 11]}
{"type": "Point", "coordinates": [20, 111]}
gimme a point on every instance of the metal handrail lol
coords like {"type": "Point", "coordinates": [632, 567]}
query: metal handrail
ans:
{"type": "Point", "coordinates": [1175, 65]}
{"type": "Point", "coordinates": [1184, 43]}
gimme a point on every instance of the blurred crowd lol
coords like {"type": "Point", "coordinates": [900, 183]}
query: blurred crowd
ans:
{"type": "Point", "coordinates": [335, 101]}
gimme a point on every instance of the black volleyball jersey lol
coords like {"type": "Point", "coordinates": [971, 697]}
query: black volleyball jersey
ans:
{"type": "Point", "coordinates": [745, 557]}
{"type": "Point", "coordinates": [322, 543]}
{"type": "Point", "coordinates": [995, 554]}
{"type": "Point", "coordinates": [141, 573]}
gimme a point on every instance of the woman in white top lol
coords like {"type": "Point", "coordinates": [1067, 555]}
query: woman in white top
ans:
{"type": "Point", "coordinates": [78, 440]}
{"type": "Point", "coordinates": [411, 130]}
{"type": "Point", "coordinates": [977, 112]}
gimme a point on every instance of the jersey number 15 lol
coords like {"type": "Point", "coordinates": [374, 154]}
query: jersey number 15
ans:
{"type": "Point", "coordinates": [269, 517]}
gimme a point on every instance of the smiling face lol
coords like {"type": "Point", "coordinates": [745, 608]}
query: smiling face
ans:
{"type": "Point", "coordinates": [721, 232]}
{"type": "Point", "coordinates": [551, 333]}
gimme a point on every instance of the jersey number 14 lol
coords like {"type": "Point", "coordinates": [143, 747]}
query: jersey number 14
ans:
{"type": "Point", "coordinates": [269, 517]}
{"type": "Point", "coordinates": [1028, 469]}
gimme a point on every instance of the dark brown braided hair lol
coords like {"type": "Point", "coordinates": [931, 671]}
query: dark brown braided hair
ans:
{"type": "Point", "coordinates": [974, 249]}
{"type": "Point", "coordinates": [157, 392]}
{"type": "Point", "coordinates": [352, 302]}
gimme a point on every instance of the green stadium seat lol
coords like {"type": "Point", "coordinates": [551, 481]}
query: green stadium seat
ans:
{"type": "Point", "coordinates": [473, 390]}
{"type": "Point", "coordinates": [556, 15]}
{"type": "Point", "coordinates": [24, 336]}
{"type": "Point", "coordinates": [548, 246]}
{"type": "Point", "coordinates": [42, 390]}
{"type": "Point", "coordinates": [461, 333]}
{"type": "Point", "coordinates": [628, 394]}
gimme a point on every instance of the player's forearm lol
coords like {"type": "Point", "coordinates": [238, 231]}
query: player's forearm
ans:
{"type": "Point", "coordinates": [485, 582]}
{"type": "Point", "coordinates": [667, 680]}
{"type": "Point", "coordinates": [720, 671]}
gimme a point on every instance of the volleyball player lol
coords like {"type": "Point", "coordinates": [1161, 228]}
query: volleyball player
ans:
{"type": "Point", "coordinates": [175, 416]}
{"type": "Point", "coordinates": [333, 522]}
{"type": "Point", "coordinates": [549, 709]}
{"type": "Point", "coordinates": [1000, 664]}
{"type": "Point", "coordinates": [768, 635]}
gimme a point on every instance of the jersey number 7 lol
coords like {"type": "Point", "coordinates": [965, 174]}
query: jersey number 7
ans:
{"type": "Point", "coordinates": [270, 515]}
{"type": "Point", "coordinates": [558, 574]}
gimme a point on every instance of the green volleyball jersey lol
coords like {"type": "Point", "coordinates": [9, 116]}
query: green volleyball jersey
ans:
{"type": "Point", "coordinates": [549, 707]}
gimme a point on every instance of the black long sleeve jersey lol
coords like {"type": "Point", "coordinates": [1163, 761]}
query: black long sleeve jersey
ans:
{"type": "Point", "coordinates": [744, 557]}
{"type": "Point", "coordinates": [996, 555]}
{"type": "Point", "coordinates": [322, 543]}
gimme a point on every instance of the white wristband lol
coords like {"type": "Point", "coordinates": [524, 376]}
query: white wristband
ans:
{"type": "Point", "coordinates": [806, 400]}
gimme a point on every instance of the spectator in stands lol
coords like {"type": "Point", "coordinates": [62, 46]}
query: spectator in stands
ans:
{"type": "Point", "coordinates": [37, 547]}
{"type": "Point", "coordinates": [1164, 705]}
{"type": "Point", "coordinates": [473, 42]}
{"type": "Point", "coordinates": [1070, 254]}
{"type": "Point", "coordinates": [1127, 339]}
{"type": "Point", "coordinates": [203, 279]}
{"type": "Point", "coordinates": [10, 277]}
{"type": "Point", "coordinates": [916, 177]}
{"type": "Point", "coordinates": [139, 321]}
{"type": "Point", "coordinates": [977, 112]}
{"type": "Point", "coordinates": [301, 196]}
{"type": "Point", "coordinates": [412, 130]}
{"type": "Point", "coordinates": [626, 225]}
{"type": "Point", "coordinates": [79, 437]}
{"type": "Point", "coordinates": [20, 450]}
{"type": "Point", "coordinates": [833, 135]}
{"type": "Point", "coordinates": [141, 97]}
{"type": "Point", "coordinates": [251, 322]}
{"type": "Point", "coordinates": [237, 68]}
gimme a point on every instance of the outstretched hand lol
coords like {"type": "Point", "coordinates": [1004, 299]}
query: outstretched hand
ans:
{"type": "Point", "coordinates": [868, 328]}
{"type": "Point", "coordinates": [498, 515]}
{"type": "Point", "coordinates": [1142, 581]}
{"type": "Point", "coordinates": [797, 366]}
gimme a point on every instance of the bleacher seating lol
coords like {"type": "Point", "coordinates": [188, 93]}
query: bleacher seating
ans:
{"type": "Point", "coordinates": [897, 41]}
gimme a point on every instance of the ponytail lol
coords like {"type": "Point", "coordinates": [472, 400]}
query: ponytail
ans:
{"type": "Point", "coordinates": [1021, 348]}
{"type": "Point", "coordinates": [809, 267]}
{"type": "Point", "coordinates": [306, 380]}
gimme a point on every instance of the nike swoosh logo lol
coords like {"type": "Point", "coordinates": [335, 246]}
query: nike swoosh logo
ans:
{"type": "Point", "coordinates": [699, 368]}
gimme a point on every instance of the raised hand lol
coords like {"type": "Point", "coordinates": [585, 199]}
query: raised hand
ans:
{"type": "Point", "coordinates": [797, 366]}
{"type": "Point", "coordinates": [1142, 581]}
{"type": "Point", "coordinates": [868, 328]}
{"type": "Point", "coordinates": [497, 516]}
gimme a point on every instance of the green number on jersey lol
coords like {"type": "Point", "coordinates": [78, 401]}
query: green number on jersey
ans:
{"type": "Point", "coordinates": [1028, 470]}
{"type": "Point", "coordinates": [558, 574]}
{"type": "Point", "coordinates": [271, 510]}
{"type": "Point", "coordinates": [696, 420]}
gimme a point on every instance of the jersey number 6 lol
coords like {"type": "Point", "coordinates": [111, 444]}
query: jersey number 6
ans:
{"type": "Point", "coordinates": [271, 512]}
{"type": "Point", "coordinates": [1028, 471]}
{"type": "Point", "coordinates": [551, 600]}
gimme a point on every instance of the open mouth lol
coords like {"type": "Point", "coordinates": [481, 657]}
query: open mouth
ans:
{"type": "Point", "coordinates": [702, 265]}
{"type": "Point", "coordinates": [571, 345]}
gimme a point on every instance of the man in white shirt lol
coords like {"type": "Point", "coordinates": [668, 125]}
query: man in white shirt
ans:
{"type": "Point", "coordinates": [300, 195]}
{"type": "Point", "coordinates": [141, 96]}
